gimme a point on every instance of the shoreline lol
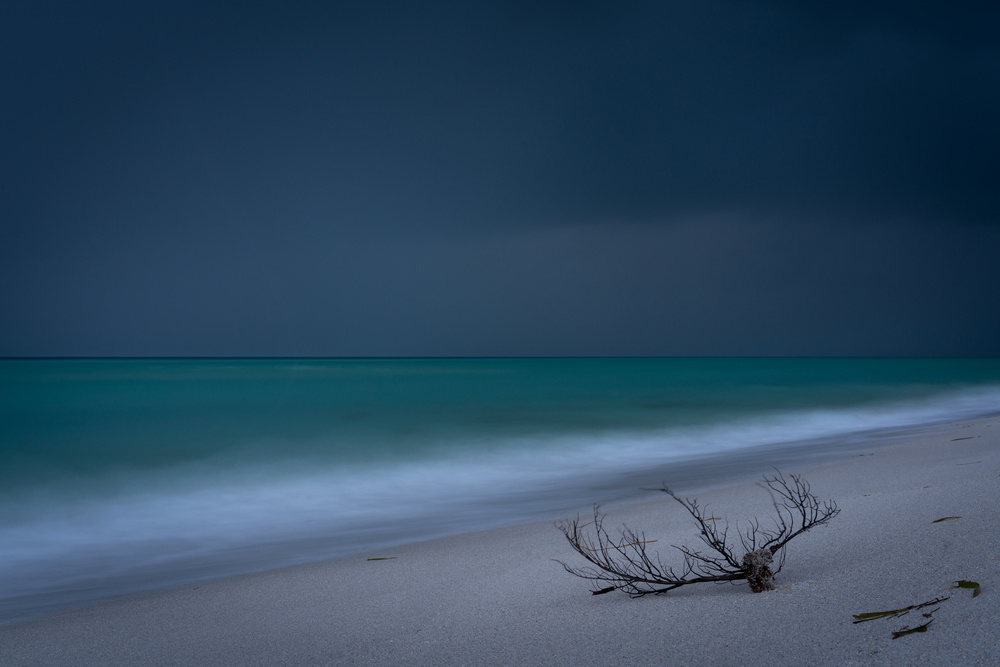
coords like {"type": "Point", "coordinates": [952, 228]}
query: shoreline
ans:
{"type": "Point", "coordinates": [497, 597]}
{"type": "Point", "coordinates": [130, 573]}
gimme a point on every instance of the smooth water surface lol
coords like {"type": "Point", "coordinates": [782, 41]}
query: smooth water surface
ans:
{"type": "Point", "coordinates": [125, 475]}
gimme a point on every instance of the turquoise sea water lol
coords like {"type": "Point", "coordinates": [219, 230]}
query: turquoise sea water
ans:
{"type": "Point", "coordinates": [119, 476]}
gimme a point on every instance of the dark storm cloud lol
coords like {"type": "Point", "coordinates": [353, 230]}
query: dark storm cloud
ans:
{"type": "Point", "coordinates": [701, 286]}
{"type": "Point", "coordinates": [518, 178]}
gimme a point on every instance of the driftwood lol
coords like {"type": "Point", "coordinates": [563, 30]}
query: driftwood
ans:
{"type": "Point", "coordinates": [624, 563]}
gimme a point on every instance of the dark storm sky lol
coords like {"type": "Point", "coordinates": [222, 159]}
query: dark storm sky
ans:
{"type": "Point", "coordinates": [510, 178]}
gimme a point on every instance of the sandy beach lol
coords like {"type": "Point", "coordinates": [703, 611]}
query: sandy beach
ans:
{"type": "Point", "coordinates": [498, 598]}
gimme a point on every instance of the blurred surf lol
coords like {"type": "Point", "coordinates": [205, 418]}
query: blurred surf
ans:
{"type": "Point", "coordinates": [125, 475]}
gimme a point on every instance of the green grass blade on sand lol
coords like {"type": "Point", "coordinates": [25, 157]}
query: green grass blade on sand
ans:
{"type": "Point", "coordinates": [909, 631]}
{"type": "Point", "coordinates": [974, 585]}
{"type": "Point", "coordinates": [871, 616]}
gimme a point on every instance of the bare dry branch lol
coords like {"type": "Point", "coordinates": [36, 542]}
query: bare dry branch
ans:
{"type": "Point", "coordinates": [625, 564]}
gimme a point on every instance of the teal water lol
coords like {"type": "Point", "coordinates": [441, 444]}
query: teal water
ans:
{"type": "Point", "coordinates": [126, 475]}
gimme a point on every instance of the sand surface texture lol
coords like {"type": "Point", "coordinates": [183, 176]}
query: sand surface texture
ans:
{"type": "Point", "coordinates": [497, 597]}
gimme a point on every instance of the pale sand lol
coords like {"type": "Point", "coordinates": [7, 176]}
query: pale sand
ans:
{"type": "Point", "coordinates": [497, 598]}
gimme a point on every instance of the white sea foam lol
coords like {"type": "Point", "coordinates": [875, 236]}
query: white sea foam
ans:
{"type": "Point", "coordinates": [201, 521]}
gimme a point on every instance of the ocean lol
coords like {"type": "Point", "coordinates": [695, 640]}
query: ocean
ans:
{"type": "Point", "coordinates": [126, 475]}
